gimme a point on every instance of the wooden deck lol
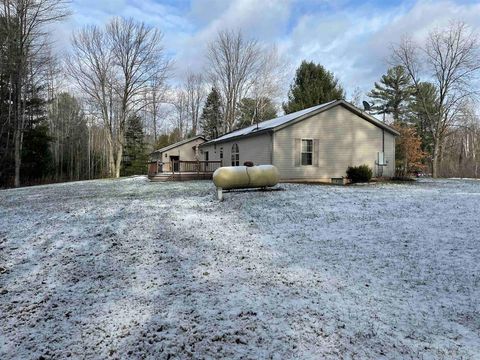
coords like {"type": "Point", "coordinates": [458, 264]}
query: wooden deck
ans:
{"type": "Point", "coordinates": [178, 170]}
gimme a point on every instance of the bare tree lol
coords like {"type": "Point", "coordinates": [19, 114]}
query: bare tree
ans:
{"type": "Point", "coordinates": [91, 65]}
{"type": "Point", "coordinates": [356, 98]}
{"type": "Point", "coordinates": [268, 80]}
{"type": "Point", "coordinates": [196, 93]}
{"type": "Point", "coordinates": [24, 23]}
{"type": "Point", "coordinates": [115, 67]}
{"type": "Point", "coordinates": [233, 61]}
{"type": "Point", "coordinates": [155, 97]}
{"type": "Point", "coordinates": [461, 148]}
{"type": "Point", "coordinates": [181, 116]}
{"type": "Point", "coordinates": [449, 60]}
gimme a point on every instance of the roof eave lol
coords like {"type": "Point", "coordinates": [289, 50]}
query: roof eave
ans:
{"type": "Point", "coordinates": [350, 107]}
{"type": "Point", "coordinates": [344, 103]}
{"type": "Point", "coordinates": [243, 136]}
{"type": "Point", "coordinates": [307, 115]}
{"type": "Point", "coordinates": [370, 118]}
{"type": "Point", "coordinates": [178, 143]}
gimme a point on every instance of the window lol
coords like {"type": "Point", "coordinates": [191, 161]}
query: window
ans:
{"type": "Point", "coordinates": [221, 153]}
{"type": "Point", "coordinates": [206, 155]}
{"type": "Point", "coordinates": [235, 155]}
{"type": "Point", "coordinates": [307, 152]}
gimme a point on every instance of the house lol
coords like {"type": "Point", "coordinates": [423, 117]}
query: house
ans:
{"type": "Point", "coordinates": [181, 161]}
{"type": "Point", "coordinates": [317, 143]}
{"type": "Point", "coordinates": [185, 150]}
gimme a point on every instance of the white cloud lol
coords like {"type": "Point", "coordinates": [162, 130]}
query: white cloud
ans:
{"type": "Point", "coordinates": [355, 43]}
{"type": "Point", "coordinates": [263, 20]}
{"type": "Point", "coordinates": [352, 41]}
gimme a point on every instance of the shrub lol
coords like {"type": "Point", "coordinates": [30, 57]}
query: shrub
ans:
{"type": "Point", "coordinates": [357, 174]}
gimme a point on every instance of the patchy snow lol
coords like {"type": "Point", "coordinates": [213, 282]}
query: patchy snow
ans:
{"type": "Point", "coordinates": [132, 269]}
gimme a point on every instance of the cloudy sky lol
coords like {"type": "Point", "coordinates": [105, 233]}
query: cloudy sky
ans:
{"type": "Point", "coordinates": [350, 38]}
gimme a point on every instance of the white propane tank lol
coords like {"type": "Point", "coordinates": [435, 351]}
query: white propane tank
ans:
{"type": "Point", "coordinates": [239, 177]}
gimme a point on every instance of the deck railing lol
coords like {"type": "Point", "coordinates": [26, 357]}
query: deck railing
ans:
{"type": "Point", "coordinates": [181, 166]}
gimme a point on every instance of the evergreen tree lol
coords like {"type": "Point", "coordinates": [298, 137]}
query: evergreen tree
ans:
{"type": "Point", "coordinates": [134, 157]}
{"type": "Point", "coordinates": [313, 85]}
{"type": "Point", "coordinates": [175, 136]}
{"type": "Point", "coordinates": [37, 161]}
{"type": "Point", "coordinates": [163, 140]}
{"type": "Point", "coordinates": [212, 118]}
{"type": "Point", "coordinates": [392, 94]}
{"type": "Point", "coordinates": [423, 100]}
{"type": "Point", "coordinates": [251, 111]}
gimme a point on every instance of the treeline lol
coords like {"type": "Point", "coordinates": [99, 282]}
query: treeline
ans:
{"type": "Point", "coordinates": [431, 97]}
{"type": "Point", "coordinates": [100, 110]}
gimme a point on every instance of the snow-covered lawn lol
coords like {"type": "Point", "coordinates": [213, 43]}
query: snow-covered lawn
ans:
{"type": "Point", "coordinates": [131, 269]}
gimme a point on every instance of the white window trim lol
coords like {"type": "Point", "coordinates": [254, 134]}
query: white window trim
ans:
{"type": "Point", "coordinates": [234, 162]}
{"type": "Point", "coordinates": [301, 151]}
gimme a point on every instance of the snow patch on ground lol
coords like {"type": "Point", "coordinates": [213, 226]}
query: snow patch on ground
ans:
{"type": "Point", "coordinates": [132, 269]}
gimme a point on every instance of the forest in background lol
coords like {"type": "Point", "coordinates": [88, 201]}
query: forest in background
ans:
{"type": "Point", "coordinates": [99, 109]}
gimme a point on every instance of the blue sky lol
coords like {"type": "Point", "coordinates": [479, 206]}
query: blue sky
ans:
{"type": "Point", "coordinates": [350, 38]}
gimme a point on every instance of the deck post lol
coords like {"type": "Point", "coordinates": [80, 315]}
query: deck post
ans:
{"type": "Point", "coordinates": [186, 169]}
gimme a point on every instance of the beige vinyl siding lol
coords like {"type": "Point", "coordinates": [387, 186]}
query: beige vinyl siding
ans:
{"type": "Point", "coordinates": [256, 148]}
{"type": "Point", "coordinates": [389, 171]}
{"type": "Point", "coordinates": [186, 152]}
{"type": "Point", "coordinates": [342, 139]}
{"type": "Point", "coordinates": [213, 155]}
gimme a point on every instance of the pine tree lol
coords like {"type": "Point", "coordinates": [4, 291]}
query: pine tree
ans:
{"type": "Point", "coordinates": [313, 85]}
{"type": "Point", "coordinates": [251, 111]}
{"type": "Point", "coordinates": [164, 140]}
{"type": "Point", "coordinates": [36, 155]}
{"type": "Point", "coordinates": [423, 100]}
{"type": "Point", "coordinates": [212, 118]}
{"type": "Point", "coordinates": [392, 94]}
{"type": "Point", "coordinates": [134, 157]}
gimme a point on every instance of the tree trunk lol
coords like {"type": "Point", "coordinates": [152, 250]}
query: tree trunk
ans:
{"type": "Point", "coordinates": [18, 157]}
{"type": "Point", "coordinates": [118, 161]}
{"type": "Point", "coordinates": [111, 162]}
{"type": "Point", "coordinates": [18, 130]}
{"type": "Point", "coordinates": [435, 158]}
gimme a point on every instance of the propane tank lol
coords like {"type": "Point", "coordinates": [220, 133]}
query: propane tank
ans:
{"type": "Point", "coordinates": [241, 177]}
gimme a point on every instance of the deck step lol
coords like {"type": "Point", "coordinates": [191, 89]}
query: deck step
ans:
{"type": "Point", "coordinates": [160, 177]}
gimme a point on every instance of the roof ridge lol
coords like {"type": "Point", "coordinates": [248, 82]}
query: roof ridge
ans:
{"type": "Point", "coordinates": [181, 142]}
{"type": "Point", "coordinates": [275, 122]}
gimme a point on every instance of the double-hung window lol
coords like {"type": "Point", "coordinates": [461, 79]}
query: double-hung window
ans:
{"type": "Point", "coordinates": [307, 151]}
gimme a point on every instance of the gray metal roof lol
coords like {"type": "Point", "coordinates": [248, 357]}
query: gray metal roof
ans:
{"type": "Point", "coordinates": [169, 147]}
{"type": "Point", "coordinates": [268, 124]}
{"type": "Point", "coordinates": [298, 115]}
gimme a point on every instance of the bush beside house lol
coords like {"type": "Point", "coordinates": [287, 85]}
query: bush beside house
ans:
{"type": "Point", "coordinates": [358, 174]}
